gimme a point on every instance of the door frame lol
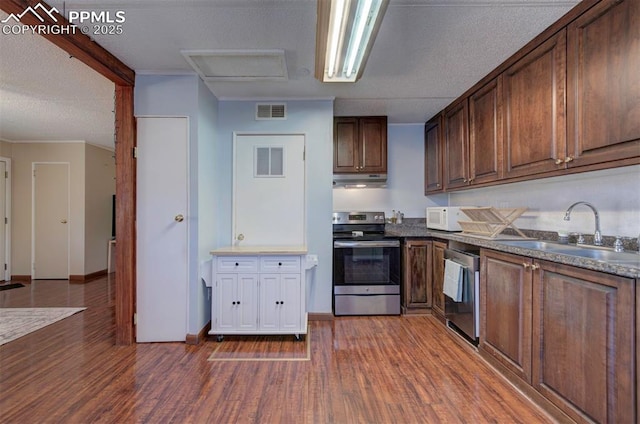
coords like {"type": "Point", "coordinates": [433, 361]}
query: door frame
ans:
{"type": "Point", "coordinates": [237, 134]}
{"type": "Point", "coordinates": [7, 228]}
{"type": "Point", "coordinates": [33, 214]}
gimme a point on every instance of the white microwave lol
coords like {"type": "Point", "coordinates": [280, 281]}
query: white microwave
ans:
{"type": "Point", "coordinates": [445, 218]}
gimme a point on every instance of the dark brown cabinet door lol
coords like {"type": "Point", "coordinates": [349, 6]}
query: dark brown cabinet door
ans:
{"type": "Point", "coordinates": [534, 110]}
{"type": "Point", "coordinates": [583, 325]}
{"type": "Point", "coordinates": [485, 133]}
{"type": "Point", "coordinates": [438, 278]}
{"type": "Point", "coordinates": [505, 310]}
{"type": "Point", "coordinates": [456, 145]}
{"type": "Point", "coordinates": [603, 95]}
{"type": "Point", "coordinates": [346, 151]}
{"type": "Point", "coordinates": [373, 134]}
{"type": "Point", "coordinates": [433, 156]}
{"type": "Point", "coordinates": [360, 145]}
{"type": "Point", "coordinates": [416, 296]}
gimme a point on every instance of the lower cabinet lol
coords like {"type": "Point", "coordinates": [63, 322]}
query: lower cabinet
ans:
{"type": "Point", "coordinates": [567, 331]}
{"type": "Point", "coordinates": [416, 288]}
{"type": "Point", "coordinates": [437, 274]}
{"type": "Point", "coordinates": [258, 295]}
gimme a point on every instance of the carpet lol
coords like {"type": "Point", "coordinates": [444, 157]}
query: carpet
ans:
{"type": "Point", "coordinates": [17, 322]}
{"type": "Point", "coordinates": [262, 348]}
{"type": "Point", "coordinates": [10, 286]}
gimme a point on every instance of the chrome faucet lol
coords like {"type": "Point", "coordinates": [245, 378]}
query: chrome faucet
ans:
{"type": "Point", "coordinates": [597, 236]}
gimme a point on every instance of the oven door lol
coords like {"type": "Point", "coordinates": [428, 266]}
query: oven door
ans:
{"type": "Point", "coordinates": [366, 262]}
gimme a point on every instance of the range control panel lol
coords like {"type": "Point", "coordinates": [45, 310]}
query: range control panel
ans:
{"type": "Point", "coordinates": [358, 218]}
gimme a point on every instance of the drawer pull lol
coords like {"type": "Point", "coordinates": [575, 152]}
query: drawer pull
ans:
{"type": "Point", "coordinates": [279, 263]}
{"type": "Point", "coordinates": [237, 264]}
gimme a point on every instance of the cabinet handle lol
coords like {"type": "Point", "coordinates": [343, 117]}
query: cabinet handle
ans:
{"type": "Point", "coordinates": [464, 180]}
{"type": "Point", "coordinates": [568, 159]}
{"type": "Point", "coordinates": [279, 263]}
{"type": "Point", "coordinates": [559, 161]}
{"type": "Point", "coordinates": [237, 264]}
{"type": "Point", "coordinates": [437, 185]}
{"type": "Point", "coordinates": [526, 265]}
{"type": "Point", "coordinates": [238, 302]}
{"type": "Point", "coordinates": [233, 303]}
{"type": "Point", "coordinates": [534, 267]}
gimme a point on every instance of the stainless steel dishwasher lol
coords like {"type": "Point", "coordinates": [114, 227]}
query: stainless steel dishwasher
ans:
{"type": "Point", "coordinates": [464, 316]}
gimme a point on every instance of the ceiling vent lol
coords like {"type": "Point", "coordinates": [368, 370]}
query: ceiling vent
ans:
{"type": "Point", "coordinates": [238, 65]}
{"type": "Point", "coordinates": [271, 111]}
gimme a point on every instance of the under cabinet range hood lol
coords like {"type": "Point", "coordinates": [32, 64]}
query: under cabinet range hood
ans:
{"type": "Point", "coordinates": [360, 180]}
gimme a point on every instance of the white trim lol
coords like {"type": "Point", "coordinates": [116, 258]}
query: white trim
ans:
{"type": "Point", "coordinates": [33, 215]}
{"type": "Point", "coordinates": [274, 99]}
{"type": "Point", "coordinates": [7, 205]}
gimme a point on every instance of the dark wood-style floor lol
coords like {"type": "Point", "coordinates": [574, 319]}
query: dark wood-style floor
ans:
{"type": "Point", "coordinates": [362, 370]}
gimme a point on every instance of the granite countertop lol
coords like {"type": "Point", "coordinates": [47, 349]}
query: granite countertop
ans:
{"type": "Point", "coordinates": [259, 250]}
{"type": "Point", "coordinates": [416, 228]}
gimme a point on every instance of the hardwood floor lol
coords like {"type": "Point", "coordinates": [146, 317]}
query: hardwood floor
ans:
{"type": "Point", "coordinates": [362, 370]}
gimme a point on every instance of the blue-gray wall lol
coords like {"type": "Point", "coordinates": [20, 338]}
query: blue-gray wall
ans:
{"type": "Point", "coordinates": [314, 119]}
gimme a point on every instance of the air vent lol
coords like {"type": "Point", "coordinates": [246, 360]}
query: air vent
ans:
{"type": "Point", "coordinates": [271, 111]}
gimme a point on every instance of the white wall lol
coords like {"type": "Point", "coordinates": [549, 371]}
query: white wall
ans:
{"type": "Point", "coordinates": [100, 185]}
{"type": "Point", "coordinates": [315, 120]}
{"type": "Point", "coordinates": [185, 95]}
{"type": "Point", "coordinates": [405, 183]}
{"type": "Point", "coordinates": [614, 192]}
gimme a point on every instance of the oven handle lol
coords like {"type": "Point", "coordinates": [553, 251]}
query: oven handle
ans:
{"type": "Point", "coordinates": [366, 243]}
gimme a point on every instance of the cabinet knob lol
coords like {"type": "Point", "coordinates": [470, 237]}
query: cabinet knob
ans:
{"type": "Point", "coordinates": [526, 265]}
{"type": "Point", "coordinates": [559, 161]}
{"type": "Point", "coordinates": [568, 159]}
{"type": "Point", "coordinates": [237, 264]}
{"type": "Point", "coordinates": [534, 267]}
{"type": "Point", "coordinates": [279, 263]}
{"type": "Point", "coordinates": [238, 302]}
{"type": "Point", "coordinates": [233, 303]}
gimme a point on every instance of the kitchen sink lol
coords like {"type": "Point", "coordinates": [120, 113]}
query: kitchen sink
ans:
{"type": "Point", "coordinates": [583, 251]}
{"type": "Point", "coordinates": [537, 244]}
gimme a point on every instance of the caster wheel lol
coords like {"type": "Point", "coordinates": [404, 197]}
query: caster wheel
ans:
{"type": "Point", "coordinates": [219, 338]}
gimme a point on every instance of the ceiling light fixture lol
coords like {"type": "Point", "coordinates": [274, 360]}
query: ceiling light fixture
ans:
{"type": "Point", "coordinates": [344, 36]}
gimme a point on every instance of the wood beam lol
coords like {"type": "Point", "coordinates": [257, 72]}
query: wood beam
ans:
{"type": "Point", "coordinates": [125, 216]}
{"type": "Point", "coordinates": [77, 44]}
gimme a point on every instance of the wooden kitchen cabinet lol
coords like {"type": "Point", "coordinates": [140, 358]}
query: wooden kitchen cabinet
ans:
{"type": "Point", "coordinates": [360, 145]}
{"type": "Point", "coordinates": [456, 145]}
{"type": "Point", "coordinates": [433, 176]}
{"type": "Point", "coordinates": [566, 331]}
{"type": "Point", "coordinates": [485, 133]}
{"type": "Point", "coordinates": [534, 110]}
{"type": "Point", "coordinates": [505, 311]}
{"type": "Point", "coordinates": [603, 92]}
{"type": "Point", "coordinates": [438, 248]}
{"type": "Point", "coordinates": [583, 324]}
{"type": "Point", "coordinates": [417, 277]}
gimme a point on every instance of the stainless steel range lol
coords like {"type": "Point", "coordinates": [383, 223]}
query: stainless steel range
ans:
{"type": "Point", "coordinates": [366, 265]}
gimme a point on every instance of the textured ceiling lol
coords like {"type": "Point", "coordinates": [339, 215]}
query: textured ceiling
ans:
{"type": "Point", "coordinates": [426, 54]}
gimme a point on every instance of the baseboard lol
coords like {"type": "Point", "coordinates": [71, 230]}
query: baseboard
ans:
{"type": "Point", "coordinates": [26, 278]}
{"type": "Point", "coordinates": [81, 279]}
{"type": "Point", "coordinates": [195, 339]}
{"type": "Point", "coordinates": [325, 316]}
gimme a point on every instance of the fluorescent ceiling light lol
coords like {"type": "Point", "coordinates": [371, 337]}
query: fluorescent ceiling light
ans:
{"type": "Point", "coordinates": [345, 33]}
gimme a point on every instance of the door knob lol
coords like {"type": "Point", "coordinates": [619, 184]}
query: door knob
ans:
{"type": "Point", "coordinates": [240, 237]}
{"type": "Point", "coordinates": [63, 221]}
{"type": "Point", "coordinates": [179, 218]}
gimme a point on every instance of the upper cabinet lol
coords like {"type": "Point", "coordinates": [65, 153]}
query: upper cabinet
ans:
{"type": "Point", "coordinates": [456, 145]}
{"type": "Point", "coordinates": [433, 156]}
{"type": "Point", "coordinates": [567, 102]}
{"type": "Point", "coordinates": [534, 130]}
{"type": "Point", "coordinates": [603, 93]}
{"type": "Point", "coordinates": [360, 145]}
{"type": "Point", "coordinates": [485, 133]}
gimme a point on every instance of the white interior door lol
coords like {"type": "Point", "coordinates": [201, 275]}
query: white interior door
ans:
{"type": "Point", "coordinates": [269, 190]}
{"type": "Point", "coordinates": [162, 229]}
{"type": "Point", "coordinates": [50, 221]}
